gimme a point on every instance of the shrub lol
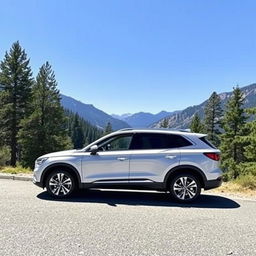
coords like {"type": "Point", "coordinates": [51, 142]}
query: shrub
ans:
{"type": "Point", "coordinates": [247, 168]}
{"type": "Point", "coordinates": [233, 170]}
{"type": "Point", "coordinates": [15, 170]}
{"type": "Point", "coordinates": [230, 168]}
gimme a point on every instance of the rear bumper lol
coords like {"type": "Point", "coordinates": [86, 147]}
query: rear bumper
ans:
{"type": "Point", "coordinates": [210, 184]}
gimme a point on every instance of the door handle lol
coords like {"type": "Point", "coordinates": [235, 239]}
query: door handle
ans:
{"type": "Point", "coordinates": [170, 157]}
{"type": "Point", "coordinates": [122, 158]}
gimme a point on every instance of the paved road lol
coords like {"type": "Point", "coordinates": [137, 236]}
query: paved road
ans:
{"type": "Point", "coordinates": [122, 223]}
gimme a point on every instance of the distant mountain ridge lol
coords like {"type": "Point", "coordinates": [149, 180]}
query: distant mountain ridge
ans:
{"type": "Point", "coordinates": [183, 119]}
{"type": "Point", "coordinates": [91, 114]}
{"type": "Point", "coordinates": [176, 119]}
{"type": "Point", "coordinates": [143, 119]}
{"type": "Point", "coordinates": [121, 117]}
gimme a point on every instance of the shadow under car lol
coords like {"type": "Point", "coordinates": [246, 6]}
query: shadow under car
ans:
{"type": "Point", "coordinates": [141, 198]}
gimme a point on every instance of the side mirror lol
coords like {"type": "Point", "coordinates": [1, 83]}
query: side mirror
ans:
{"type": "Point", "coordinates": [94, 149]}
{"type": "Point", "coordinates": [108, 147]}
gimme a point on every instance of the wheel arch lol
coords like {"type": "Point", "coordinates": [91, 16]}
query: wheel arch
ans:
{"type": "Point", "coordinates": [188, 169]}
{"type": "Point", "coordinates": [68, 167]}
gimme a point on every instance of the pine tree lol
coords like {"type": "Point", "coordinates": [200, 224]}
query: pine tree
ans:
{"type": "Point", "coordinates": [164, 123]}
{"type": "Point", "coordinates": [16, 81]}
{"type": "Point", "coordinates": [250, 138]}
{"type": "Point", "coordinates": [196, 124]}
{"type": "Point", "coordinates": [44, 130]}
{"type": "Point", "coordinates": [90, 132]}
{"type": "Point", "coordinates": [108, 129]}
{"type": "Point", "coordinates": [233, 123]}
{"type": "Point", "coordinates": [78, 138]}
{"type": "Point", "coordinates": [213, 113]}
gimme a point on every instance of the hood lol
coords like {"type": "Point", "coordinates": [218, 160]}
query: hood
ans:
{"type": "Point", "coordinates": [61, 153]}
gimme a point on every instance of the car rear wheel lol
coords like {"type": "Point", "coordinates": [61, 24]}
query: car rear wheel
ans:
{"type": "Point", "coordinates": [60, 184]}
{"type": "Point", "coordinates": [185, 188]}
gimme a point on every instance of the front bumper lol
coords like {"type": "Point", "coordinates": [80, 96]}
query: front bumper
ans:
{"type": "Point", "coordinates": [210, 184]}
{"type": "Point", "coordinates": [37, 183]}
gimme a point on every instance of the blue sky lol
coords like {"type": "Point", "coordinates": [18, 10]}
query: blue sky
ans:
{"type": "Point", "coordinates": [137, 55]}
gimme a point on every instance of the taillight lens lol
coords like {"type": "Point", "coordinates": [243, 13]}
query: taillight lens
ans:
{"type": "Point", "coordinates": [213, 156]}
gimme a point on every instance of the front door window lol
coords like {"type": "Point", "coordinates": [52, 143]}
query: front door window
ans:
{"type": "Point", "coordinates": [119, 143]}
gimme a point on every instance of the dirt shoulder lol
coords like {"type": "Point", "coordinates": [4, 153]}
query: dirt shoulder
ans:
{"type": "Point", "coordinates": [233, 190]}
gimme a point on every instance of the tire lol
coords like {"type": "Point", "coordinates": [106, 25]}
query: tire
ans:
{"type": "Point", "coordinates": [60, 184]}
{"type": "Point", "coordinates": [185, 188]}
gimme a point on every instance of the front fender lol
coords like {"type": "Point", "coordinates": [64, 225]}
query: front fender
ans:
{"type": "Point", "coordinates": [74, 166]}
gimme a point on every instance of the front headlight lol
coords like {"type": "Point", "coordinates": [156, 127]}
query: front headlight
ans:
{"type": "Point", "coordinates": [39, 161]}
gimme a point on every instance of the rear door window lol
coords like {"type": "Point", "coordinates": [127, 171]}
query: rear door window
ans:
{"type": "Point", "coordinates": [158, 141]}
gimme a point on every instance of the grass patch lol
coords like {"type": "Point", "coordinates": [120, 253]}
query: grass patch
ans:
{"type": "Point", "coordinates": [15, 170]}
{"type": "Point", "coordinates": [247, 181]}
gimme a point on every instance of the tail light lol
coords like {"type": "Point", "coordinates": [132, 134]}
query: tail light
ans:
{"type": "Point", "coordinates": [213, 156]}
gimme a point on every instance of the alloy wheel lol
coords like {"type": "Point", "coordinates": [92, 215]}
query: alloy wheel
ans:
{"type": "Point", "coordinates": [60, 184]}
{"type": "Point", "coordinates": [185, 188]}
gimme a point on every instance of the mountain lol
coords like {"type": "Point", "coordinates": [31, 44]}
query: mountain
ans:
{"type": "Point", "coordinates": [91, 114]}
{"type": "Point", "coordinates": [183, 119]}
{"type": "Point", "coordinates": [143, 119]}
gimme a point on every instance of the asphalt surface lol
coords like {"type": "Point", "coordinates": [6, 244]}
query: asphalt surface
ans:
{"type": "Point", "coordinates": [122, 223]}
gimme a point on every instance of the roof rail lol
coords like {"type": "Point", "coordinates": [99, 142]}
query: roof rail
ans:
{"type": "Point", "coordinates": [184, 130]}
{"type": "Point", "coordinates": [126, 129]}
{"type": "Point", "coordinates": [162, 129]}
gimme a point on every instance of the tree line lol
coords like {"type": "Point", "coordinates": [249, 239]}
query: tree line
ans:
{"type": "Point", "coordinates": [233, 130]}
{"type": "Point", "coordinates": [32, 120]}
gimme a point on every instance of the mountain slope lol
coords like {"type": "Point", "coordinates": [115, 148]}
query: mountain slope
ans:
{"type": "Point", "coordinates": [183, 119]}
{"type": "Point", "coordinates": [143, 119]}
{"type": "Point", "coordinates": [91, 114]}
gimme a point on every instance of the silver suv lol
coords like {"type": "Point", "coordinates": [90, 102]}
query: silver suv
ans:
{"type": "Point", "coordinates": [157, 159]}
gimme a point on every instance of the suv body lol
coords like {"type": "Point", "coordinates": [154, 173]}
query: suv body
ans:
{"type": "Point", "coordinates": [158, 159]}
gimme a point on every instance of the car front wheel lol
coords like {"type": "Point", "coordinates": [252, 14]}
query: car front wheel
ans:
{"type": "Point", "coordinates": [185, 188]}
{"type": "Point", "coordinates": [60, 184]}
